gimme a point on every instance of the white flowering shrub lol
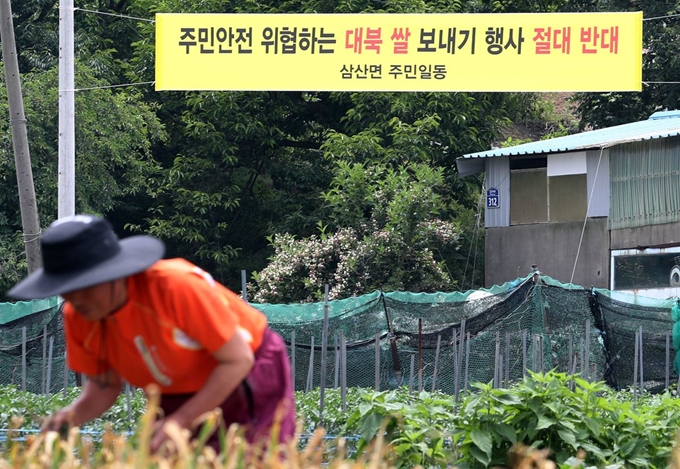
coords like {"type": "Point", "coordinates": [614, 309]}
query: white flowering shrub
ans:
{"type": "Point", "coordinates": [383, 226]}
{"type": "Point", "coordinates": [350, 265]}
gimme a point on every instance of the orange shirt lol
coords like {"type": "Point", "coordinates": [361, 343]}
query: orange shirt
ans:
{"type": "Point", "coordinates": [175, 317]}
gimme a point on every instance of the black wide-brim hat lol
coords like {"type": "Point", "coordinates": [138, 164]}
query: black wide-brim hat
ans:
{"type": "Point", "coordinates": [82, 251]}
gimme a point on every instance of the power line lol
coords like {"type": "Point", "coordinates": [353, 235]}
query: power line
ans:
{"type": "Point", "coordinates": [661, 17]}
{"type": "Point", "coordinates": [585, 220]}
{"type": "Point", "coordinates": [114, 14]}
{"type": "Point", "coordinates": [108, 86]}
{"type": "Point", "coordinates": [153, 21]}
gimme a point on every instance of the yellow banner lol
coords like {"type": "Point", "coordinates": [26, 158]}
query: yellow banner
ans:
{"type": "Point", "coordinates": [400, 52]}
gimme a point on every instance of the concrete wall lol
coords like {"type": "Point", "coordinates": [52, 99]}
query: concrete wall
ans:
{"type": "Point", "coordinates": [510, 252]}
{"type": "Point", "coordinates": [642, 237]}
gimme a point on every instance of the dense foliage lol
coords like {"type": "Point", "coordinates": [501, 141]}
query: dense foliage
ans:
{"type": "Point", "coordinates": [385, 224]}
{"type": "Point", "coordinates": [32, 409]}
{"type": "Point", "coordinates": [660, 68]}
{"type": "Point", "coordinates": [564, 414]}
{"type": "Point", "coordinates": [227, 179]}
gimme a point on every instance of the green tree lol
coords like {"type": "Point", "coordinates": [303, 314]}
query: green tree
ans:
{"type": "Point", "coordinates": [660, 69]}
{"type": "Point", "coordinates": [116, 129]}
{"type": "Point", "coordinates": [240, 167]}
{"type": "Point", "coordinates": [237, 168]}
{"type": "Point", "coordinates": [385, 222]}
{"type": "Point", "coordinates": [114, 135]}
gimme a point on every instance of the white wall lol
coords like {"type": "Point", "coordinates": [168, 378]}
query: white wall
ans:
{"type": "Point", "coordinates": [598, 189]}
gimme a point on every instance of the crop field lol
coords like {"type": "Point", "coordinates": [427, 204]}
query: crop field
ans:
{"type": "Point", "coordinates": [547, 420]}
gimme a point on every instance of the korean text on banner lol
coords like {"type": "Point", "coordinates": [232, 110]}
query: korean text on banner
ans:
{"type": "Point", "coordinates": [400, 52]}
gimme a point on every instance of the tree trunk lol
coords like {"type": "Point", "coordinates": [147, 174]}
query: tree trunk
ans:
{"type": "Point", "coordinates": [22, 158]}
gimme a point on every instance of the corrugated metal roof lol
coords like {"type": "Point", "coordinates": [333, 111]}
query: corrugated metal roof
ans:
{"type": "Point", "coordinates": [659, 125]}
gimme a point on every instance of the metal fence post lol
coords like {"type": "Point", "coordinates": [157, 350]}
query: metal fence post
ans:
{"type": "Point", "coordinates": [377, 361]}
{"type": "Point", "coordinates": [324, 353]}
{"type": "Point", "coordinates": [436, 363]}
{"type": "Point", "coordinates": [23, 358]}
{"type": "Point", "coordinates": [49, 368]}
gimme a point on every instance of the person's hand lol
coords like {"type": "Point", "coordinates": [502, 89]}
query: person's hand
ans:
{"type": "Point", "coordinates": [160, 435]}
{"type": "Point", "coordinates": [60, 422]}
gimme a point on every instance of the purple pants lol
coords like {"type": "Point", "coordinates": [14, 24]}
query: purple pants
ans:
{"type": "Point", "coordinates": [254, 403]}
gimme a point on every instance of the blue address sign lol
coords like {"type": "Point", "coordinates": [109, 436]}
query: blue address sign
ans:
{"type": "Point", "coordinates": [492, 198]}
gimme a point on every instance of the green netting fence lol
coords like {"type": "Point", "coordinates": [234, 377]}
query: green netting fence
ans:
{"type": "Point", "coordinates": [32, 350]}
{"type": "Point", "coordinates": [533, 323]}
{"type": "Point", "coordinates": [442, 341]}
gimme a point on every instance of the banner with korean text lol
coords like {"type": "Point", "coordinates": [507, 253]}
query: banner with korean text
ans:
{"type": "Point", "coordinates": [400, 52]}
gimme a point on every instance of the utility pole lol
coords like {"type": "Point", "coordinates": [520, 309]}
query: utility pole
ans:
{"type": "Point", "coordinates": [22, 157]}
{"type": "Point", "coordinates": [67, 134]}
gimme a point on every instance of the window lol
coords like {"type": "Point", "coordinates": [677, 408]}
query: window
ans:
{"type": "Point", "coordinates": [647, 270]}
{"type": "Point", "coordinates": [645, 183]}
{"type": "Point", "coordinates": [536, 197]}
{"type": "Point", "coordinates": [567, 197]}
{"type": "Point", "coordinates": [528, 196]}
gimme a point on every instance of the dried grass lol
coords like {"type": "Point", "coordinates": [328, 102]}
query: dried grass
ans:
{"type": "Point", "coordinates": [53, 450]}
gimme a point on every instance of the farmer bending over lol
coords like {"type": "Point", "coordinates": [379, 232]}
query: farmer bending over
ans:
{"type": "Point", "coordinates": [130, 316]}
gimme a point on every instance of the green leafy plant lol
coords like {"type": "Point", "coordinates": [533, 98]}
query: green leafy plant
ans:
{"type": "Point", "coordinates": [552, 413]}
{"type": "Point", "coordinates": [567, 414]}
{"type": "Point", "coordinates": [33, 408]}
{"type": "Point", "coordinates": [334, 418]}
{"type": "Point", "coordinates": [417, 427]}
